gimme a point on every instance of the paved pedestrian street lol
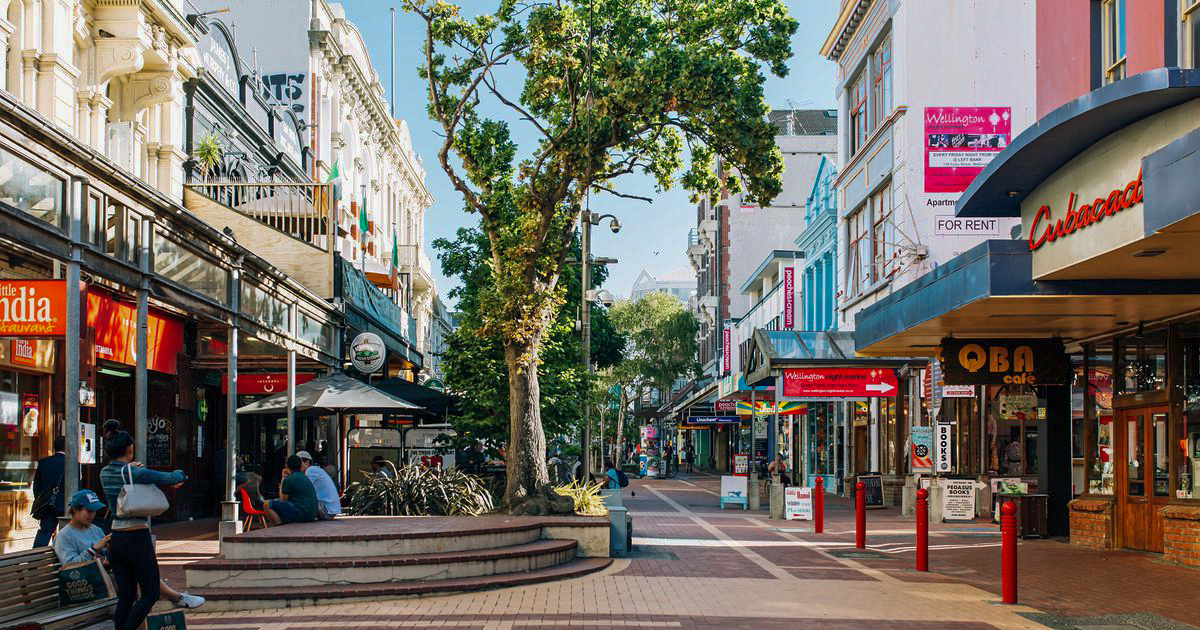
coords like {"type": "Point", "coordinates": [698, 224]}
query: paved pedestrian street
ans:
{"type": "Point", "coordinates": [695, 566]}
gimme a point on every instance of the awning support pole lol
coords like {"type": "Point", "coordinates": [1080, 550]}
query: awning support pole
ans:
{"type": "Point", "coordinates": [141, 384]}
{"type": "Point", "coordinates": [74, 329]}
{"type": "Point", "coordinates": [291, 388]}
{"type": "Point", "coordinates": [230, 523]}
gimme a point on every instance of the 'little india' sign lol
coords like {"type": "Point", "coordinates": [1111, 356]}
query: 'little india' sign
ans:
{"type": "Point", "coordinates": [1085, 215]}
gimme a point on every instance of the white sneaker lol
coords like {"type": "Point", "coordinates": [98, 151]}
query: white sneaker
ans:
{"type": "Point", "coordinates": [190, 601]}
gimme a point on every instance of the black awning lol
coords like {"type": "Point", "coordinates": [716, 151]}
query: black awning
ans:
{"type": "Point", "coordinates": [432, 402]}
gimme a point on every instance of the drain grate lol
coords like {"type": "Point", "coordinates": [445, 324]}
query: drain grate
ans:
{"type": "Point", "coordinates": [858, 553]}
{"type": "Point", "coordinates": [1120, 621]}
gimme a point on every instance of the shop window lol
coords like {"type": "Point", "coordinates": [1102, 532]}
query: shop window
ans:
{"type": "Point", "coordinates": [1190, 15]}
{"type": "Point", "coordinates": [1161, 455]}
{"type": "Point", "coordinates": [187, 268]}
{"type": "Point", "coordinates": [1012, 430]}
{"type": "Point", "coordinates": [1114, 40]}
{"type": "Point", "coordinates": [1098, 404]}
{"type": "Point", "coordinates": [23, 436]}
{"type": "Point", "coordinates": [1143, 365]}
{"type": "Point", "coordinates": [30, 189]}
{"type": "Point", "coordinates": [1187, 429]}
{"type": "Point", "coordinates": [887, 434]}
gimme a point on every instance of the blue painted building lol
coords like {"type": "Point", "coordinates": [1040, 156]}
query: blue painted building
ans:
{"type": "Point", "coordinates": [818, 241]}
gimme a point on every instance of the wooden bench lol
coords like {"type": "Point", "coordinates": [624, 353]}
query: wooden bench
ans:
{"type": "Point", "coordinates": [29, 594]}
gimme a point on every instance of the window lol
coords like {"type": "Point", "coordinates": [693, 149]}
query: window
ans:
{"type": "Point", "coordinates": [190, 269]}
{"type": "Point", "coordinates": [122, 232]}
{"type": "Point", "coordinates": [883, 234]}
{"type": "Point", "coordinates": [1114, 40]}
{"type": "Point", "coordinates": [881, 82]}
{"type": "Point", "coordinates": [30, 189]}
{"type": "Point", "coordinates": [264, 307]}
{"type": "Point", "coordinates": [1143, 365]}
{"type": "Point", "coordinates": [858, 258]}
{"type": "Point", "coordinates": [1099, 420]}
{"type": "Point", "coordinates": [858, 113]}
{"type": "Point", "coordinates": [93, 228]}
{"type": "Point", "coordinates": [1190, 14]}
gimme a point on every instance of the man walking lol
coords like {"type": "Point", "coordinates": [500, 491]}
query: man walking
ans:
{"type": "Point", "coordinates": [47, 481]}
{"type": "Point", "coordinates": [329, 504]}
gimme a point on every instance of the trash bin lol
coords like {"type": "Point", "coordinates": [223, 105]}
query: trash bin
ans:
{"type": "Point", "coordinates": [1031, 514]}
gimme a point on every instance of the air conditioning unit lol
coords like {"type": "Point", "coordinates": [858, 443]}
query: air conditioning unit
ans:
{"type": "Point", "coordinates": [119, 144]}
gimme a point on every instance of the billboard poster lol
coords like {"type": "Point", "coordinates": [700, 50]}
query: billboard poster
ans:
{"type": "Point", "coordinates": [959, 143]}
{"type": "Point", "coordinates": [789, 298]}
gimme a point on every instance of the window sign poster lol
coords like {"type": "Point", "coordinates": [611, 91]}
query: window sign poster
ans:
{"type": "Point", "coordinates": [31, 409]}
{"type": "Point", "coordinates": [87, 443]}
{"type": "Point", "coordinates": [959, 143]}
{"type": "Point", "coordinates": [797, 503]}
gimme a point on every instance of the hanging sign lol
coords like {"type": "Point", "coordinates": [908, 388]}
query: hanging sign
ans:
{"type": "Point", "coordinates": [760, 427]}
{"type": "Point", "coordinates": [711, 420]}
{"type": "Point", "coordinates": [1005, 362]}
{"type": "Point", "coordinates": [942, 448]}
{"type": "Point", "coordinates": [727, 347]}
{"type": "Point", "coordinates": [789, 298]}
{"type": "Point", "coordinates": [367, 353]}
{"type": "Point", "coordinates": [922, 449]}
{"type": "Point", "coordinates": [797, 504]}
{"type": "Point", "coordinates": [839, 383]}
{"type": "Point", "coordinates": [33, 308]}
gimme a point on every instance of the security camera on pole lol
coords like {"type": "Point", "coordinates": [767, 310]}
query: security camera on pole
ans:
{"type": "Point", "coordinates": [586, 220]}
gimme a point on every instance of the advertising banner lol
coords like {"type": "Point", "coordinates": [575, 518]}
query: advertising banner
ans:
{"type": "Point", "coordinates": [789, 298]}
{"type": "Point", "coordinates": [958, 499]}
{"type": "Point", "coordinates": [726, 348]}
{"type": "Point", "coordinates": [839, 383]}
{"type": "Point", "coordinates": [942, 448]}
{"type": "Point", "coordinates": [922, 449]}
{"type": "Point", "coordinates": [797, 504]}
{"type": "Point", "coordinates": [31, 410]}
{"type": "Point", "coordinates": [1005, 362]}
{"type": "Point", "coordinates": [959, 143]}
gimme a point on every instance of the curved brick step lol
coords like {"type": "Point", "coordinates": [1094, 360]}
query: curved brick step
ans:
{"type": "Point", "coordinates": [255, 598]}
{"type": "Point", "coordinates": [317, 571]}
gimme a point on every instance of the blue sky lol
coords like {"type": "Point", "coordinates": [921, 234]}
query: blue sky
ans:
{"type": "Point", "coordinates": [654, 236]}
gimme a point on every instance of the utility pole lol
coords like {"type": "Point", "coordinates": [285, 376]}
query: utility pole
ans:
{"type": "Point", "coordinates": [586, 220]}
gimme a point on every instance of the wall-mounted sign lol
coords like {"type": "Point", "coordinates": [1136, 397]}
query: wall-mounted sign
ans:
{"type": "Point", "coordinates": [922, 449]}
{"type": "Point", "coordinates": [264, 382]}
{"type": "Point", "coordinates": [839, 382]}
{"type": "Point", "coordinates": [958, 391]}
{"type": "Point", "coordinates": [712, 420]}
{"type": "Point", "coordinates": [1046, 229]}
{"type": "Point", "coordinates": [789, 298]}
{"type": "Point", "coordinates": [33, 308]}
{"type": "Point", "coordinates": [1017, 406]}
{"type": "Point", "coordinates": [959, 143]}
{"type": "Point", "coordinates": [943, 448]}
{"type": "Point", "coordinates": [727, 347]}
{"type": "Point", "coordinates": [1005, 362]}
{"type": "Point", "coordinates": [950, 225]}
{"type": "Point", "coordinates": [87, 443]}
{"type": "Point", "coordinates": [367, 353]}
{"type": "Point", "coordinates": [725, 405]}
{"type": "Point", "coordinates": [115, 326]}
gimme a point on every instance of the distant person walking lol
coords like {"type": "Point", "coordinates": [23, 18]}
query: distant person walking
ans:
{"type": "Point", "coordinates": [48, 492]}
{"type": "Point", "coordinates": [689, 456]}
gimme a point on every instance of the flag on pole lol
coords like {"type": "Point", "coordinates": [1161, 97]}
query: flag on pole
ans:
{"type": "Point", "coordinates": [335, 178]}
{"type": "Point", "coordinates": [364, 223]}
{"type": "Point", "coordinates": [395, 262]}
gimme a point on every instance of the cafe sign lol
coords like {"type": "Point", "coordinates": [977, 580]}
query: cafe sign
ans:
{"type": "Point", "coordinates": [1005, 362]}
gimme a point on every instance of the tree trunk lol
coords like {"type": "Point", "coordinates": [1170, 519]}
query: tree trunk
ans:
{"type": "Point", "coordinates": [620, 439]}
{"type": "Point", "coordinates": [526, 454]}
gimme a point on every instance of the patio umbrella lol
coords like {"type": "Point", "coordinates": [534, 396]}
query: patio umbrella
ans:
{"type": "Point", "coordinates": [330, 395]}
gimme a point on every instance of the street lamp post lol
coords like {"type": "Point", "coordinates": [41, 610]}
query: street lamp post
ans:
{"type": "Point", "coordinates": [586, 220]}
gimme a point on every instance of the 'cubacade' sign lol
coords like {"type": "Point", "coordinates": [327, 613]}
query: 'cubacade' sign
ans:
{"type": "Point", "coordinates": [1005, 362]}
{"type": "Point", "coordinates": [1045, 229]}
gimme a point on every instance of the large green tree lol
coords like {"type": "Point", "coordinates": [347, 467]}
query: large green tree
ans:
{"type": "Point", "coordinates": [610, 88]}
{"type": "Point", "coordinates": [474, 363]}
{"type": "Point", "coordinates": [661, 347]}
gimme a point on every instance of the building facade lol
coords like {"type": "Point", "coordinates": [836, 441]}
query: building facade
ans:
{"type": "Point", "coordinates": [1098, 295]}
{"type": "Point", "coordinates": [818, 242]}
{"type": "Point", "coordinates": [917, 124]}
{"type": "Point", "coordinates": [680, 285]}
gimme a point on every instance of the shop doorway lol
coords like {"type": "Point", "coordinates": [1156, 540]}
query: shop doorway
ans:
{"type": "Point", "coordinates": [1143, 476]}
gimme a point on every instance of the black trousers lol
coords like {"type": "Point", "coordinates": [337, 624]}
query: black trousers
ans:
{"type": "Point", "coordinates": [135, 571]}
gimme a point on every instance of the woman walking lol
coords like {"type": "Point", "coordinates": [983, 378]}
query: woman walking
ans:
{"type": "Point", "coordinates": [131, 548]}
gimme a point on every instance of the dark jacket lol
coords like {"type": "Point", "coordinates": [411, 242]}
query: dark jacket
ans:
{"type": "Point", "coordinates": [49, 471]}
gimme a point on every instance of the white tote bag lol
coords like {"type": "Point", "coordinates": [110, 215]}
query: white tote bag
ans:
{"type": "Point", "coordinates": [139, 499]}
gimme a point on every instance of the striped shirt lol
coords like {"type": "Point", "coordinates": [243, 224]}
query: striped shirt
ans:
{"type": "Point", "coordinates": [110, 480]}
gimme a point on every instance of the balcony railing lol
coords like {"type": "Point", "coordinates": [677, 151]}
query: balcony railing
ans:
{"type": "Point", "coordinates": [301, 210]}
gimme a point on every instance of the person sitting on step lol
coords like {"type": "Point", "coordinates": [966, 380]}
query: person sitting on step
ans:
{"type": "Point", "coordinates": [297, 502]}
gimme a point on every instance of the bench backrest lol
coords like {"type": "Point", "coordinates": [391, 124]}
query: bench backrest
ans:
{"type": "Point", "coordinates": [28, 583]}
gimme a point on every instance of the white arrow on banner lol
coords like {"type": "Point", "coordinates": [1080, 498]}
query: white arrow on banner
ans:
{"type": "Point", "coordinates": [882, 388]}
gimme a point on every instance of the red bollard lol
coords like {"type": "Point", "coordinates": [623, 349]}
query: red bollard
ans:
{"type": "Point", "coordinates": [819, 506]}
{"type": "Point", "coordinates": [922, 529]}
{"type": "Point", "coordinates": [1008, 552]}
{"type": "Point", "coordinates": [860, 507]}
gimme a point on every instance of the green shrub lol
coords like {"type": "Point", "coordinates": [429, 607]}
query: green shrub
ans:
{"type": "Point", "coordinates": [419, 491]}
{"type": "Point", "coordinates": [586, 497]}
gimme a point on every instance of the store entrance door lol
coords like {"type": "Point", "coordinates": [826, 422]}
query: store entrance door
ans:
{"type": "Point", "coordinates": [1143, 476]}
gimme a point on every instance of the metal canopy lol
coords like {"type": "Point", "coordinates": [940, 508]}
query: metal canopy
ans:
{"type": "Point", "coordinates": [773, 350]}
{"type": "Point", "coordinates": [1064, 133]}
{"type": "Point", "coordinates": [330, 395]}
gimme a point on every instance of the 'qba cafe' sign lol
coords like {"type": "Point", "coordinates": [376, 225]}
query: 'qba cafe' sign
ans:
{"type": "Point", "coordinates": [1005, 362]}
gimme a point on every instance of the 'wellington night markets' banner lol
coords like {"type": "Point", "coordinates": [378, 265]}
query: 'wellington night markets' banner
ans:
{"type": "Point", "coordinates": [959, 143]}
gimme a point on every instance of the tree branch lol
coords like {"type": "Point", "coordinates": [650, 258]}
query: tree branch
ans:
{"type": "Point", "coordinates": [621, 194]}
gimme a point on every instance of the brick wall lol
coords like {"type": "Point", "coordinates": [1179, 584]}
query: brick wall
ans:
{"type": "Point", "coordinates": [1181, 534]}
{"type": "Point", "coordinates": [1092, 523]}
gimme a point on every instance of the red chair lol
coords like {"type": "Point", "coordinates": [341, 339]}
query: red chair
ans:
{"type": "Point", "coordinates": [252, 515]}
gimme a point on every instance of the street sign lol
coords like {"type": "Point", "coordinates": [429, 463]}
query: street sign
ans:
{"type": "Point", "coordinates": [839, 383]}
{"type": "Point", "coordinates": [958, 391]}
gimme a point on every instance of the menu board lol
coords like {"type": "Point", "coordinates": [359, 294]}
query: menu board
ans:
{"type": "Point", "coordinates": [873, 490]}
{"type": "Point", "coordinates": [158, 443]}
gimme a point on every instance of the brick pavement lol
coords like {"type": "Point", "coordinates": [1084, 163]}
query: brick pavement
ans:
{"type": "Point", "coordinates": [696, 566]}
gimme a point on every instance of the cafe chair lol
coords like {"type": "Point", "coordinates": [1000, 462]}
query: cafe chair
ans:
{"type": "Point", "coordinates": [253, 515]}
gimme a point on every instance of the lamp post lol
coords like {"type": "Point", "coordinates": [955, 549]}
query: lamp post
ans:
{"type": "Point", "coordinates": [586, 220]}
